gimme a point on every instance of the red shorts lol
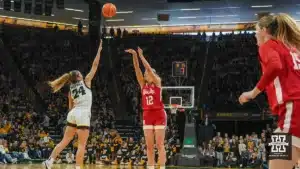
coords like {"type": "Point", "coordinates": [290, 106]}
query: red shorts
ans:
{"type": "Point", "coordinates": [154, 119]}
{"type": "Point", "coordinates": [288, 120]}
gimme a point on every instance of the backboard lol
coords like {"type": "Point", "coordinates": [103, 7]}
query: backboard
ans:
{"type": "Point", "coordinates": [180, 95]}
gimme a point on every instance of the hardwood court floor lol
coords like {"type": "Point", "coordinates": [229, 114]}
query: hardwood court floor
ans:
{"type": "Point", "coordinates": [66, 166]}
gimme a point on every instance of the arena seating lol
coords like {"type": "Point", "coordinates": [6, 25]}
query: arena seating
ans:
{"type": "Point", "coordinates": [43, 54]}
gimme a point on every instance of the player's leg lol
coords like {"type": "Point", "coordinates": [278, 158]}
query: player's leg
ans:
{"type": "Point", "coordinates": [297, 166]}
{"type": "Point", "coordinates": [288, 121]}
{"type": "Point", "coordinates": [160, 132]}
{"type": "Point", "coordinates": [296, 130]}
{"type": "Point", "coordinates": [83, 135]}
{"type": "Point", "coordinates": [68, 136]}
{"type": "Point", "coordinates": [149, 137]}
{"type": "Point", "coordinates": [83, 130]}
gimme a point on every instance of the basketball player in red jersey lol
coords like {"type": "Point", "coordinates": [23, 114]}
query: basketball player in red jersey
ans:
{"type": "Point", "coordinates": [278, 39]}
{"type": "Point", "coordinates": [154, 115]}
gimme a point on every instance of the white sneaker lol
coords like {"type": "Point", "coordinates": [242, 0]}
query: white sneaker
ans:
{"type": "Point", "coordinates": [47, 164]}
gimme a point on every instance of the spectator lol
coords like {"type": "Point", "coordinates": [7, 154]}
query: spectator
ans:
{"type": "Point", "coordinates": [231, 160]}
{"type": "Point", "coordinates": [220, 153]}
{"type": "Point", "coordinates": [70, 157]}
{"type": "Point", "coordinates": [5, 157]}
{"type": "Point", "coordinates": [91, 152]}
{"type": "Point", "coordinates": [46, 122]}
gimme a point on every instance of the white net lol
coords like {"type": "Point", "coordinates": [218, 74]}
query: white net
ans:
{"type": "Point", "coordinates": [173, 109]}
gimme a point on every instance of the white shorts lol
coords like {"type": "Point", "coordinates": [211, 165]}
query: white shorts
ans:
{"type": "Point", "coordinates": [79, 118]}
{"type": "Point", "coordinates": [295, 140]}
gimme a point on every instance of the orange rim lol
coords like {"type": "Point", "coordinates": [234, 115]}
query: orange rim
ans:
{"type": "Point", "coordinates": [173, 106]}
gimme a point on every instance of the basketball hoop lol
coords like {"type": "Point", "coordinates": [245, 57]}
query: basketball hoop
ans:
{"type": "Point", "coordinates": [174, 108]}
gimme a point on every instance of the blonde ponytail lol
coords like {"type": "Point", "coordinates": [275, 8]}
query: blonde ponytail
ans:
{"type": "Point", "coordinates": [287, 30]}
{"type": "Point", "coordinates": [58, 83]}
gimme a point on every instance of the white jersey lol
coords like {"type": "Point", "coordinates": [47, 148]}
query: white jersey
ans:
{"type": "Point", "coordinates": [81, 95]}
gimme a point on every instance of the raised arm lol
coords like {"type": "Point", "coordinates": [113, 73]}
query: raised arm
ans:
{"type": "Point", "coordinates": [138, 72]}
{"type": "Point", "coordinates": [149, 68]}
{"type": "Point", "coordinates": [89, 77]}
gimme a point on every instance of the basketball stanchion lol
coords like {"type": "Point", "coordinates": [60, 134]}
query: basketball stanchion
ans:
{"type": "Point", "coordinates": [189, 155]}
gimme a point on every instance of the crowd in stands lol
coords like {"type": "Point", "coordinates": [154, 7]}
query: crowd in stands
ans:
{"type": "Point", "coordinates": [235, 151]}
{"type": "Point", "coordinates": [26, 134]}
{"type": "Point", "coordinates": [18, 127]}
{"type": "Point", "coordinates": [235, 70]}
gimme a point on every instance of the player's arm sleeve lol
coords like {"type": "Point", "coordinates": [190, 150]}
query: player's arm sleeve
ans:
{"type": "Point", "coordinates": [271, 59]}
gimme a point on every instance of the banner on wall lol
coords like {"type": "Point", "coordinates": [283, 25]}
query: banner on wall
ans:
{"type": "Point", "coordinates": [235, 116]}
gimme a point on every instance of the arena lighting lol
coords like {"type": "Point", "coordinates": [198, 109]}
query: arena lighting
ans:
{"type": "Point", "coordinates": [230, 7]}
{"type": "Point", "coordinates": [191, 9]}
{"type": "Point", "coordinates": [200, 24]}
{"type": "Point", "coordinates": [75, 10]}
{"type": "Point", "coordinates": [83, 19]}
{"type": "Point", "coordinates": [216, 16]}
{"type": "Point", "coordinates": [147, 19]}
{"type": "Point", "coordinates": [108, 37]}
{"type": "Point", "coordinates": [169, 10]}
{"type": "Point", "coordinates": [124, 12]}
{"type": "Point", "coordinates": [262, 6]}
{"type": "Point", "coordinates": [114, 20]}
{"type": "Point", "coordinates": [270, 14]}
{"type": "Point", "coordinates": [187, 17]}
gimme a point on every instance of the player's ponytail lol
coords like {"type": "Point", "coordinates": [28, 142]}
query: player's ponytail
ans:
{"type": "Point", "coordinates": [287, 30]}
{"type": "Point", "coordinates": [58, 83]}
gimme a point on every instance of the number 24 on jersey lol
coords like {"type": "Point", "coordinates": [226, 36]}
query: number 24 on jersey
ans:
{"type": "Point", "coordinates": [78, 92]}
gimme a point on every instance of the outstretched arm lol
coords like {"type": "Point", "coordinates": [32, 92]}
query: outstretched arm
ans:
{"type": "Point", "coordinates": [138, 72]}
{"type": "Point", "coordinates": [89, 77]}
{"type": "Point", "coordinates": [149, 68]}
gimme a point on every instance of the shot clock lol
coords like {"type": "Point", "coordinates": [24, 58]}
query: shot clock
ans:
{"type": "Point", "coordinates": [179, 69]}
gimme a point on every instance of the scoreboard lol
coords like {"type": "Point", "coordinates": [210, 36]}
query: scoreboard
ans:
{"type": "Point", "coordinates": [179, 69]}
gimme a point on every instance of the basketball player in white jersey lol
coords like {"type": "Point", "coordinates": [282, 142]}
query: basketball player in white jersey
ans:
{"type": "Point", "coordinates": [80, 103]}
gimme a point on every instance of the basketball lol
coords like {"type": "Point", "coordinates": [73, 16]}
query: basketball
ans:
{"type": "Point", "coordinates": [109, 10]}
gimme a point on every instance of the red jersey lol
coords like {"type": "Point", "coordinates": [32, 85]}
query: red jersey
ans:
{"type": "Point", "coordinates": [281, 73]}
{"type": "Point", "coordinates": [151, 97]}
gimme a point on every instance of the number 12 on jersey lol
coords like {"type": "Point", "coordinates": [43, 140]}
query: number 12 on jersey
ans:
{"type": "Point", "coordinates": [149, 100]}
